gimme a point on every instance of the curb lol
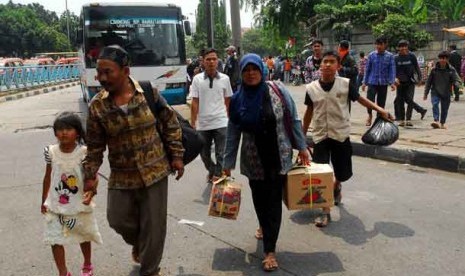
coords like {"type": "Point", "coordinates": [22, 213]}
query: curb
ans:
{"type": "Point", "coordinates": [37, 91]}
{"type": "Point", "coordinates": [439, 161]}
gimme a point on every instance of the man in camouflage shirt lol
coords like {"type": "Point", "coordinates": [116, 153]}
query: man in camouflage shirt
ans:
{"type": "Point", "coordinates": [120, 119]}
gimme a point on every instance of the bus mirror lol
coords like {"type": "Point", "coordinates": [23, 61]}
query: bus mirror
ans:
{"type": "Point", "coordinates": [79, 35]}
{"type": "Point", "coordinates": [187, 28]}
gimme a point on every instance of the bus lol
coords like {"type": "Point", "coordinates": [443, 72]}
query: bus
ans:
{"type": "Point", "coordinates": [152, 34]}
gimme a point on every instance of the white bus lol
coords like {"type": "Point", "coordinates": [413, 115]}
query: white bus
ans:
{"type": "Point", "coordinates": [153, 35]}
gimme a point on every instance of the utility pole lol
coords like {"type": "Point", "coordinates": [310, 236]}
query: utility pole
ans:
{"type": "Point", "coordinates": [209, 20]}
{"type": "Point", "coordinates": [67, 20]}
{"type": "Point", "coordinates": [236, 24]}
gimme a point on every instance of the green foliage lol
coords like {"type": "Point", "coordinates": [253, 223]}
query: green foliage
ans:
{"type": "Point", "coordinates": [221, 33]}
{"type": "Point", "coordinates": [396, 27]}
{"type": "Point", "coordinates": [268, 41]}
{"type": "Point", "coordinates": [283, 15]}
{"type": "Point", "coordinates": [29, 29]}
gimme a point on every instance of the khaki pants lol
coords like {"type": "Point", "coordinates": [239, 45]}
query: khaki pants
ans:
{"type": "Point", "coordinates": [139, 216]}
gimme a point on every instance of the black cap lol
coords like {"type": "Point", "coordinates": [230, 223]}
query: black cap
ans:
{"type": "Point", "coordinates": [116, 54]}
{"type": "Point", "coordinates": [402, 42]}
{"type": "Point", "coordinates": [344, 44]}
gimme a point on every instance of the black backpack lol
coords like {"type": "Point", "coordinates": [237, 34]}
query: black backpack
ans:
{"type": "Point", "coordinates": [191, 140]}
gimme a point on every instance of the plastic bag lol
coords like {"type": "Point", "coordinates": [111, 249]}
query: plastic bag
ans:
{"type": "Point", "coordinates": [225, 198]}
{"type": "Point", "coordinates": [381, 133]}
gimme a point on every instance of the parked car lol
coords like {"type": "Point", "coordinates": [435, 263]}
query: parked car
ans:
{"type": "Point", "coordinates": [68, 60]}
{"type": "Point", "coordinates": [39, 61]}
{"type": "Point", "coordinates": [10, 62]}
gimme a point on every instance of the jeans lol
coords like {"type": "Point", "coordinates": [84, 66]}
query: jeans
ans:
{"type": "Point", "coordinates": [286, 76]}
{"type": "Point", "coordinates": [404, 96]}
{"type": "Point", "coordinates": [445, 103]}
{"type": "Point", "coordinates": [219, 137]}
{"type": "Point", "coordinates": [379, 92]}
{"type": "Point", "coordinates": [359, 81]}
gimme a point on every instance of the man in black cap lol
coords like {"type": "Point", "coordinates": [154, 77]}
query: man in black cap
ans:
{"type": "Point", "coordinates": [120, 119]}
{"type": "Point", "coordinates": [408, 73]}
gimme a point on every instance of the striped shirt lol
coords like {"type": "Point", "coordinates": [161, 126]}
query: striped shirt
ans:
{"type": "Point", "coordinates": [136, 152]}
{"type": "Point", "coordinates": [380, 69]}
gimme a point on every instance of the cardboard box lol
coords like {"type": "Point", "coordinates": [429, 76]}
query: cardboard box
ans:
{"type": "Point", "coordinates": [309, 187]}
{"type": "Point", "coordinates": [225, 199]}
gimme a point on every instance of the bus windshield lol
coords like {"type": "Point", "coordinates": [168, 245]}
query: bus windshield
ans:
{"type": "Point", "coordinates": [151, 35]}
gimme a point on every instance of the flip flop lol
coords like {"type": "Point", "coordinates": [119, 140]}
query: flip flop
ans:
{"type": "Point", "coordinates": [269, 263]}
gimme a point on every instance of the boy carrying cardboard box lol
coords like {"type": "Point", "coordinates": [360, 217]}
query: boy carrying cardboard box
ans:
{"type": "Point", "coordinates": [327, 101]}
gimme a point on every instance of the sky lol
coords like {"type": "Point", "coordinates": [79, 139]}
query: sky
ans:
{"type": "Point", "coordinates": [74, 6]}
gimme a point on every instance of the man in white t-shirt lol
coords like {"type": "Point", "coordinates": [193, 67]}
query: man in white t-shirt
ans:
{"type": "Point", "coordinates": [211, 93]}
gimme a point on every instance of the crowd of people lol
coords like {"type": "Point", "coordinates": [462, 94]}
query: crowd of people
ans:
{"type": "Point", "coordinates": [233, 105]}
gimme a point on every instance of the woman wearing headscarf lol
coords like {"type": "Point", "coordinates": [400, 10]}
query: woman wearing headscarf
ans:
{"type": "Point", "coordinates": [265, 115]}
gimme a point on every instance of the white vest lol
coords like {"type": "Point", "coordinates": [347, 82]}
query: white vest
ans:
{"type": "Point", "coordinates": [331, 117]}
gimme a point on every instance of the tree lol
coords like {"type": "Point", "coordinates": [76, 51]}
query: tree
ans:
{"type": "Point", "coordinates": [396, 27]}
{"type": "Point", "coordinates": [283, 15]}
{"type": "Point", "coordinates": [23, 32]}
{"type": "Point", "coordinates": [222, 33]}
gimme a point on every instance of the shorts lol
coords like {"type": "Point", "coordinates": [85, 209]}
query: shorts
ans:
{"type": "Point", "coordinates": [79, 228]}
{"type": "Point", "coordinates": [340, 154]}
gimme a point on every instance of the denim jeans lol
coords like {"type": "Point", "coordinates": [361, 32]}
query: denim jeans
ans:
{"type": "Point", "coordinates": [219, 137]}
{"type": "Point", "coordinates": [445, 103]}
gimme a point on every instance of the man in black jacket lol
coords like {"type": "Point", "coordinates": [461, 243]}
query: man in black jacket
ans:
{"type": "Point", "coordinates": [348, 65]}
{"type": "Point", "coordinates": [231, 67]}
{"type": "Point", "coordinates": [455, 60]}
{"type": "Point", "coordinates": [407, 74]}
{"type": "Point", "coordinates": [439, 82]}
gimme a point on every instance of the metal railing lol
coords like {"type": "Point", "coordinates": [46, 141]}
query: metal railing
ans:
{"type": "Point", "coordinates": [12, 78]}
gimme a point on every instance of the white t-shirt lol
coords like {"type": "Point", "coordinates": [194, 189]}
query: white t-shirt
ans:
{"type": "Point", "coordinates": [212, 110]}
{"type": "Point", "coordinates": [66, 188]}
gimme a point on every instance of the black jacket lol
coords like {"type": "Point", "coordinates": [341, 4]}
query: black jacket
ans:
{"type": "Point", "coordinates": [440, 81]}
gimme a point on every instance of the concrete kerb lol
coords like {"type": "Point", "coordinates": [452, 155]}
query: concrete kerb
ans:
{"type": "Point", "coordinates": [413, 157]}
{"type": "Point", "coordinates": [37, 91]}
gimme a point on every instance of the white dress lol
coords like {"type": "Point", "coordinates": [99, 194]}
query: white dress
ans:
{"type": "Point", "coordinates": [67, 219]}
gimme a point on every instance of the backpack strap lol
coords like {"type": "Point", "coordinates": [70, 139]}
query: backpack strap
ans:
{"type": "Point", "coordinates": [155, 103]}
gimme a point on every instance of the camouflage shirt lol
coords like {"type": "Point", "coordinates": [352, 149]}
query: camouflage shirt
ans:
{"type": "Point", "coordinates": [136, 152]}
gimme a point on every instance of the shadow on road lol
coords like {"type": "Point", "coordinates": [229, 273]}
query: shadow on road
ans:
{"type": "Point", "coordinates": [290, 263]}
{"type": "Point", "coordinates": [351, 228]}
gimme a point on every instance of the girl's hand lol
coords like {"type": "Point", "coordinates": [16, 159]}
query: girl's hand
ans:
{"type": "Point", "coordinates": [43, 209]}
{"type": "Point", "coordinates": [88, 197]}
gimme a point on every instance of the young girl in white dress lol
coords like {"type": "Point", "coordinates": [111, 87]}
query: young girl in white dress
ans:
{"type": "Point", "coordinates": [68, 210]}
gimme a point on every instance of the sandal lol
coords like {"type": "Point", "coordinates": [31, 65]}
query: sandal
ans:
{"type": "Point", "coordinates": [322, 220]}
{"type": "Point", "coordinates": [368, 122]}
{"type": "Point", "coordinates": [87, 270]}
{"type": "Point", "coordinates": [259, 234]}
{"type": "Point", "coordinates": [269, 263]}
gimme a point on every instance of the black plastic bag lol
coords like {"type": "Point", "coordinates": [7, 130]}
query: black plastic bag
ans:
{"type": "Point", "coordinates": [381, 133]}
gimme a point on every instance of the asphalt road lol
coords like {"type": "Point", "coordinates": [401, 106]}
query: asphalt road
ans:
{"type": "Point", "coordinates": [394, 220]}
